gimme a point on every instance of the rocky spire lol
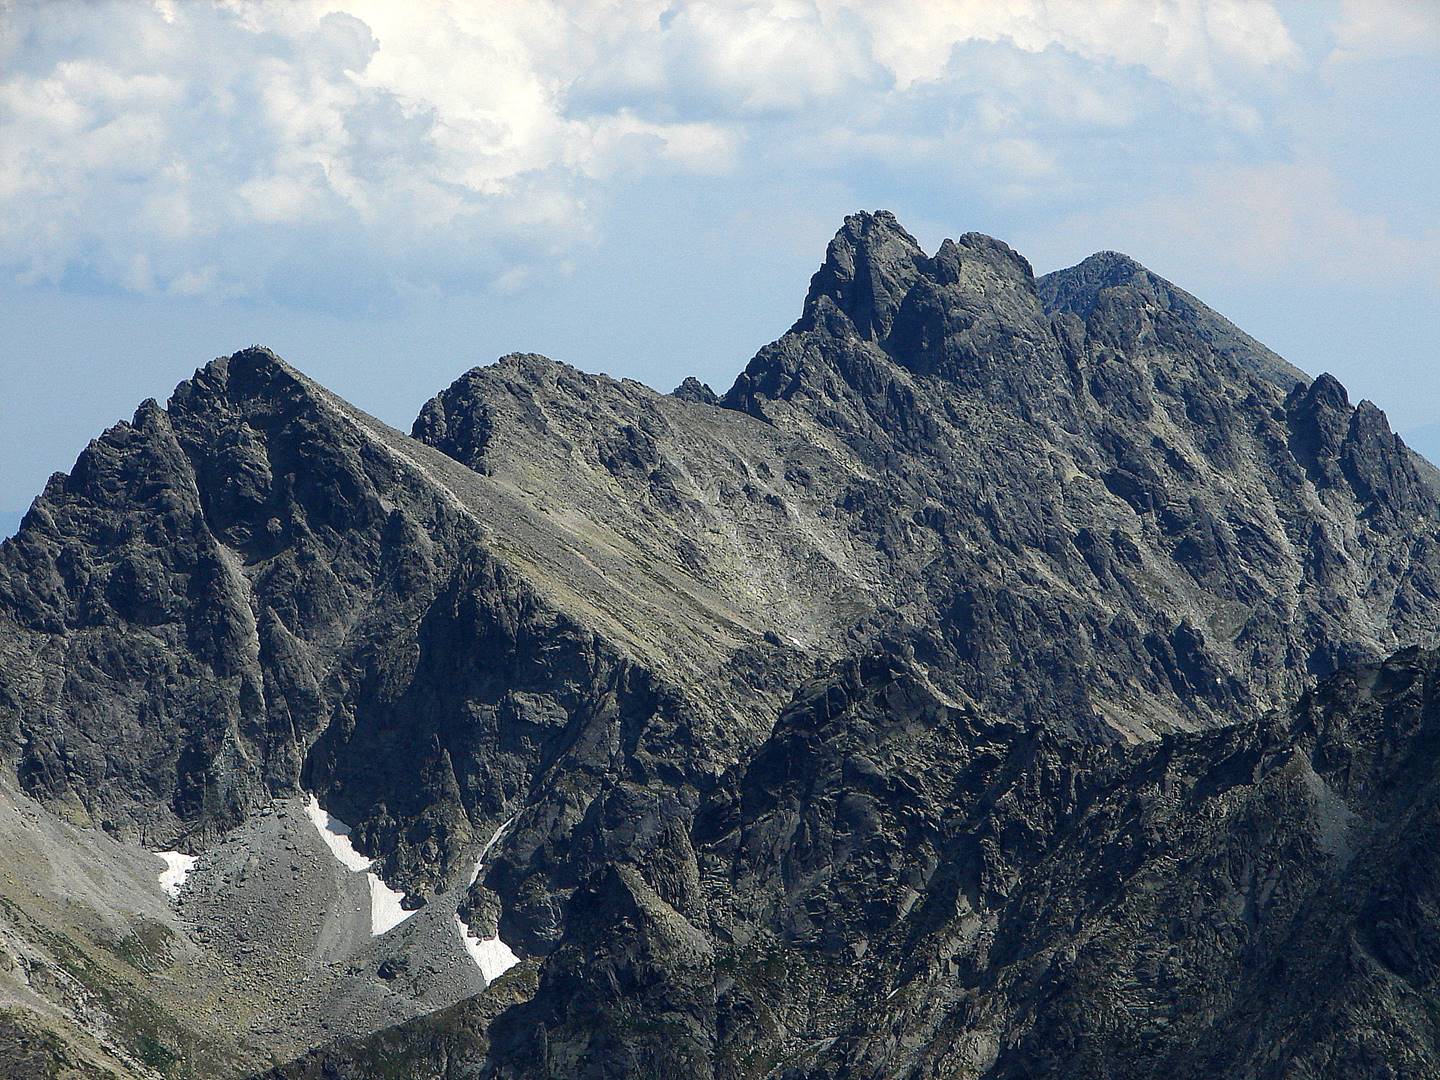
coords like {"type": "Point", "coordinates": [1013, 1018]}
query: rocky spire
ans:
{"type": "Point", "coordinates": [869, 267]}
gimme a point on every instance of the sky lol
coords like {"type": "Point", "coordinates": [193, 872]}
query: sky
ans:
{"type": "Point", "coordinates": [388, 194]}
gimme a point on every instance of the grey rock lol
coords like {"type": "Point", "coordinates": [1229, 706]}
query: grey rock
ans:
{"type": "Point", "coordinates": [692, 389]}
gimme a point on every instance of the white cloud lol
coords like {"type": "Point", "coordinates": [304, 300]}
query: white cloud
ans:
{"type": "Point", "coordinates": [1265, 222]}
{"type": "Point", "coordinates": [763, 57]}
{"type": "Point", "coordinates": [1381, 29]}
{"type": "Point", "coordinates": [236, 146]}
{"type": "Point", "coordinates": [199, 147]}
{"type": "Point", "coordinates": [1181, 42]}
{"type": "Point", "coordinates": [615, 143]}
{"type": "Point", "coordinates": [1023, 158]}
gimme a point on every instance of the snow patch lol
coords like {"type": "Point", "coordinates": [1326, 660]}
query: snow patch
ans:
{"type": "Point", "coordinates": [491, 955]}
{"type": "Point", "coordinates": [386, 912]}
{"type": "Point", "coordinates": [177, 868]}
{"type": "Point", "coordinates": [336, 835]}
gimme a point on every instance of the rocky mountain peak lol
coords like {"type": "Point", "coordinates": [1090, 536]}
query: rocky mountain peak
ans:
{"type": "Point", "coordinates": [248, 371]}
{"type": "Point", "coordinates": [1077, 289]}
{"type": "Point", "coordinates": [1116, 297]}
{"type": "Point", "coordinates": [877, 277]}
{"type": "Point", "coordinates": [692, 389]}
{"type": "Point", "coordinates": [977, 245]}
{"type": "Point", "coordinates": [1326, 392]}
{"type": "Point", "coordinates": [992, 395]}
{"type": "Point", "coordinates": [868, 269]}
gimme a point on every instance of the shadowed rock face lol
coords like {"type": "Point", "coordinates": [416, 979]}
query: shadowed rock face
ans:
{"type": "Point", "coordinates": [922, 706]}
{"type": "Point", "coordinates": [1243, 902]}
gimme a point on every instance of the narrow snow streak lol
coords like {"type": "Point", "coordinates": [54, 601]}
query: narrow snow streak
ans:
{"type": "Point", "coordinates": [480, 862]}
{"type": "Point", "coordinates": [177, 868]}
{"type": "Point", "coordinates": [385, 910]}
{"type": "Point", "coordinates": [491, 955]}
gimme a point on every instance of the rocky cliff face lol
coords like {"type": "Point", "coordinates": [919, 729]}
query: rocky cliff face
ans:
{"type": "Point", "coordinates": [898, 885]}
{"type": "Point", "coordinates": [998, 905]}
{"type": "Point", "coordinates": [924, 705]}
{"type": "Point", "coordinates": [1130, 529]}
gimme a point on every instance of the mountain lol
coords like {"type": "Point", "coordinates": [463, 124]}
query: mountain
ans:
{"type": "Point", "coordinates": [1004, 677]}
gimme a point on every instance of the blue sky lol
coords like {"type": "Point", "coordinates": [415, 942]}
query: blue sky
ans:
{"type": "Point", "coordinates": [388, 194]}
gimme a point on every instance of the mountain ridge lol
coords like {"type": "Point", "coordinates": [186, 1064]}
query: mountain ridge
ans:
{"type": "Point", "coordinates": [709, 670]}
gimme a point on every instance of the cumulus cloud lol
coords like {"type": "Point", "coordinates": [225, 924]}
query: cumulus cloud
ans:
{"type": "Point", "coordinates": [336, 147]}
{"type": "Point", "coordinates": [201, 148]}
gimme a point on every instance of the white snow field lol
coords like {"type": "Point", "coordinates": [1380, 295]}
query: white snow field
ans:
{"type": "Point", "coordinates": [336, 835]}
{"type": "Point", "coordinates": [385, 910]}
{"type": "Point", "coordinates": [491, 955]}
{"type": "Point", "coordinates": [177, 868]}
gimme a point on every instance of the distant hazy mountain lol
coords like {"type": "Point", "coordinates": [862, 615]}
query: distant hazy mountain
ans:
{"type": "Point", "coordinates": [1004, 678]}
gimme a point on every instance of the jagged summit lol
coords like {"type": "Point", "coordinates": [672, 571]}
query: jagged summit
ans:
{"type": "Point", "coordinates": [692, 389]}
{"type": "Point", "coordinates": [254, 365]}
{"type": "Point", "coordinates": [1077, 289]}
{"type": "Point", "coordinates": [878, 278]}
{"type": "Point", "coordinates": [1326, 391]}
{"type": "Point", "coordinates": [869, 267]}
